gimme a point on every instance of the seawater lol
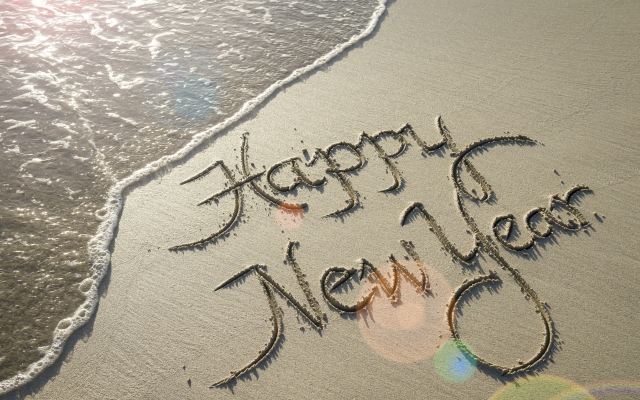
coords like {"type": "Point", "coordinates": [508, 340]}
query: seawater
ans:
{"type": "Point", "coordinates": [97, 94]}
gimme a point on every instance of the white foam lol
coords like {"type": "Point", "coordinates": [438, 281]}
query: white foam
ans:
{"type": "Point", "coordinates": [267, 15]}
{"type": "Point", "coordinates": [155, 24]}
{"type": "Point", "coordinates": [19, 124]}
{"type": "Point", "coordinates": [139, 3]}
{"type": "Point", "coordinates": [64, 143]}
{"type": "Point", "coordinates": [127, 120]}
{"type": "Point", "coordinates": [38, 95]}
{"type": "Point", "coordinates": [154, 45]}
{"type": "Point", "coordinates": [44, 180]}
{"type": "Point", "coordinates": [64, 126]}
{"type": "Point", "coordinates": [38, 39]}
{"type": "Point", "coordinates": [48, 77]}
{"type": "Point", "coordinates": [16, 150]}
{"type": "Point", "coordinates": [111, 22]}
{"type": "Point", "coordinates": [119, 79]}
{"type": "Point", "coordinates": [97, 32]}
{"type": "Point", "coordinates": [99, 245]}
{"type": "Point", "coordinates": [35, 160]}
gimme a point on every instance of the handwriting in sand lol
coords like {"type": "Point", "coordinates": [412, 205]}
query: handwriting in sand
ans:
{"type": "Point", "coordinates": [335, 278]}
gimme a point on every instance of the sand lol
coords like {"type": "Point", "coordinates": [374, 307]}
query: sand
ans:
{"type": "Point", "coordinates": [565, 75]}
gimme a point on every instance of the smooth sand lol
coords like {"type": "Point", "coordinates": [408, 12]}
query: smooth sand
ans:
{"type": "Point", "coordinates": [566, 75]}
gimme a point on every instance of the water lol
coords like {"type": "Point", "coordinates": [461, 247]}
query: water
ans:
{"type": "Point", "coordinates": [96, 94]}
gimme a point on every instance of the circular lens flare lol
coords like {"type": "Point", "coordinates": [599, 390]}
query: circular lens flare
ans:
{"type": "Point", "coordinates": [542, 387]}
{"type": "Point", "coordinates": [410, 325]}
{"type": "Point", "coordinates": [289, 216]}
{"type": "Point", "coordinates": [194, 97]}
{"type": "Point", "coordinates": [454, 364]}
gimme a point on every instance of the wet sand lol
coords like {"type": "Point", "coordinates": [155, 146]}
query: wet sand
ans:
{"type": "Point", "coordinates": [565, 76]}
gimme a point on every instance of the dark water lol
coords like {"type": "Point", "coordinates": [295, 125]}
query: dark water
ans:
{"type": "Point", "coordinates": [93, 91]}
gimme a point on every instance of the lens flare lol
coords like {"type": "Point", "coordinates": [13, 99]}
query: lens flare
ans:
{"type": "Point", "coordinates": [542, 387]}
{"type": "Point", "coordinates": [194, 97]}
{"type": "Point", "coordinates": [410, 326]}
{"type": "Point", "coordinates": [185, 86]}
{"type": "Point", "coordinates": [289, 216]}
{"type": "Point", "coordinates": [614, 390]}
{"type": "Point", "coordinates": [453, 364]}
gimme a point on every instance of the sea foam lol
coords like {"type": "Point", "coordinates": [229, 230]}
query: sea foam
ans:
{"type": "Point", "coordinates": [109, 214]}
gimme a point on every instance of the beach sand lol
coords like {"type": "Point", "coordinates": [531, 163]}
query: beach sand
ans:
{"type": "Point", "coordinates": [566, 75]}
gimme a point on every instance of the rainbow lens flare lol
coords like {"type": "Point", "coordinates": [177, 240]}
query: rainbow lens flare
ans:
{"type": "Point", "coordinates": [454, 364]}
{"type": "Point", "coordinates": [542, 387]}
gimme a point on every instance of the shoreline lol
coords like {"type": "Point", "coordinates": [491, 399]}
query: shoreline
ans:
{"type": "Point", "coordinates": [162, 323]}
{"type": "Point", "coordinates": [99, 244]}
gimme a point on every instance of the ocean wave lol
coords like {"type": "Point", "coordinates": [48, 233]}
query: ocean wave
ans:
{"type": "Point", "coordinates": [98, 246]}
